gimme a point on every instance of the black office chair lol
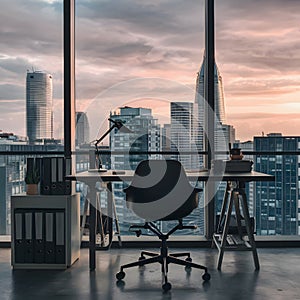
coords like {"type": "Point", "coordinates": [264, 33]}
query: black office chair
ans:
{"type": "Point", "coordinates": [160, 191]}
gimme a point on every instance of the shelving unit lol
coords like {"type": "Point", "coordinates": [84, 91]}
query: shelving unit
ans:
{"type": "Point", "coordinates": [45, 231]}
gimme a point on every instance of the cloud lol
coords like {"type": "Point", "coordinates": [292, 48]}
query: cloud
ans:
{"type": "Point", "coordinates": [257, 47]}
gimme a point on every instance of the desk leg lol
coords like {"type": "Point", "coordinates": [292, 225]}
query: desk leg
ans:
{"type": "Point", "coordinates": [110, 212]}
{"type": "Point", "coordinates": [227, 196]}
{"type": "Point", "coordinates": [225, 231]}
{"type": "Point", "coordinates": [248, 228]}
{"type": "Point", "coordinates": [238, 213]}
{"type": "Point", "coordinates": [92, 236]}
{"type": "Point", "coordinates": [83, 222]}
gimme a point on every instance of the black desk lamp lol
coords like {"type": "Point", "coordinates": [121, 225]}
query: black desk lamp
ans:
{"type": "Point", "coordinates": [116, 124]}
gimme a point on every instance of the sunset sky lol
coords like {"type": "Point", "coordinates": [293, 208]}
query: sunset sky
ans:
{"type": "Point", "coordinates": [132, 50]}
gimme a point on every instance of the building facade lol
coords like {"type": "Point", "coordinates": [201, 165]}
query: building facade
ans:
{"type": "Point", "coordinates": [82, 129]}
{"type": "Point", "coordinates": [182, 133]}
{"type": "Point", "coordinates": [277, 203]}
{"type": "Point", "coordinates": [201, 106]}
{"type": "Point", "coordinates": [145, 136]}
{"type": "Point", "coordinates": [39, 102]}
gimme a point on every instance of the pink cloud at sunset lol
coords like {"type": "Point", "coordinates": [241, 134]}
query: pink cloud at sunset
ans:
{"type": "Point", "coordinates": [257, 52]}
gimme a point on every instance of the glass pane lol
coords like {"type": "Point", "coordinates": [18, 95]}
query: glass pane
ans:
{"type": "Point", "coordinates": [31, 91]}
{"type": "Point", "coordinates": [256, 56]}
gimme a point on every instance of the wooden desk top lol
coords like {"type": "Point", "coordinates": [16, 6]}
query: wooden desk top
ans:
{"type": "Point", "coordinates": [127, 175]}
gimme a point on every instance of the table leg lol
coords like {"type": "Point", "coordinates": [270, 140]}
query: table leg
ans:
{"type": "Point", "coordinates": [92, 231]}
{"type": "Point", "coordinates": [227, 195]}
{"type": "Point", "coordinates": [85, 210]}
{"type": "Point", "coordinates": [225, 231]}
{"type": "Point", "coordinates": [238, 213]}
{"type": "Point", "coordinates": [110, 212]}
{"type": "Point", "coordinates": [248, 228]}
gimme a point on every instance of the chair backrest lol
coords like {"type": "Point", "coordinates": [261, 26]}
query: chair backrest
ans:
{"type": "Point", "coordinates": [160, 190]}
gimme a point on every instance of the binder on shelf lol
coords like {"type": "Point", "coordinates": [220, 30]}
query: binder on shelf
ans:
{"type": "Point", "coordinates": [30, 164]}
{"type": "Point", "coordinates": [53, 180]}
{"type": "Point", "coordinates": [28, 238]}
{"type": "Point", "coordinates": [19, 241]}
{"type": "Point", "coordinates": [39, 239]}
{"type": "Point", "coordinates": [58, 187]}
{"type": "Point", "coordinates": [68, 171]}
{"type": "Point", "coordinates": [60, 249]}
{"type": "Point", "coordinates": [46, 176]}
{"type": "Point", "coordinates": [53, 175]}
{"type": "Point", "coordinates": [60, 169]}
{"type": "Point", "coordinates": [49, 238]}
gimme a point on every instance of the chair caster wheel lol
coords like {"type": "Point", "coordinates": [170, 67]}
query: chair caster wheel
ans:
{"type": "Point", "coordinates": [142, 258]}
{"type": "Point", "coordinates": [188, 268]}
{"type": "Point", "coordinates": [120, 275]}
{"type": "Point", "coordinates": [206, 276]}
{"type": "Point", "coordinates": [167, 286]}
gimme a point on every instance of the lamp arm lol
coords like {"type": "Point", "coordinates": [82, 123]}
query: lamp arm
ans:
{"type": "Point", "coordinates": [98, 159]}
{"type": "Point", "coordinates": [104, 135]}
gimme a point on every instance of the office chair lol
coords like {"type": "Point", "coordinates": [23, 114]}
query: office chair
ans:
{"type": "Point", "coordinates": [160, 191]}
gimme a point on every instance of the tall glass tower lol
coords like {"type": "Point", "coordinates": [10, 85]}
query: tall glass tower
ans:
{"type": "Point", "coordinates": [201, 104]}
{"type": "Point", "coordinates": [182, 129]}
{"type": "Point", "coordinates": [219, 94]}
{"type": "Point", "coordinates": [39, 100]}
{"type": "Point", "coordinates": [82, 129]}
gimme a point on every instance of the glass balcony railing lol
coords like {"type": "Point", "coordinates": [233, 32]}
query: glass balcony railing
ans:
{"type": "Point", "coordinates": [274, 205]}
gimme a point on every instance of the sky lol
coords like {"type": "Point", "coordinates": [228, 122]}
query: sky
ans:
{"type": "Point", "coordinates": [148, 53]}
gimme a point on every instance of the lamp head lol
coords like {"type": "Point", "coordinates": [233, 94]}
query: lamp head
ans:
{"type": "Point", "coordinates": [120, 126]}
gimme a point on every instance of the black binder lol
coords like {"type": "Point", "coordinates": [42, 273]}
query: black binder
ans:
{"type": "Point", "coordinates": [28, 237]}
{"type": "Point", "coordinates": [46, 176]}
{"type": "Point", "coordinates": [49, 238]}
{"type": "Point", "coordinates": [60, 249]}
{"type": "Point", "coordinates": [54, 170]}
{"type": "Point", "coordinates": [19, 237]}
{"type": "Point", "coordinates": [30, 165]}
{"type": "Point", "coordinates": [39, 238]}
{"type": "Point", "coordinates": [58, 166]}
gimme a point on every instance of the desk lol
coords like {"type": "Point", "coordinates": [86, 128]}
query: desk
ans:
{"type": "Point", "coordinates": [91, 178]}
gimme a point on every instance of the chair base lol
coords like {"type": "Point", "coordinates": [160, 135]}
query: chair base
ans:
{"type": "Point", "coordinates": [164, 258]}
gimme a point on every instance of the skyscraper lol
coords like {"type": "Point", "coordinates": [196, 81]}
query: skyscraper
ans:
{"type": "Point", "coordinates": [145, 136]}
{"type": "Point", "coordinates": [182, 140]}
{"type": "Point", "coordinates": [39, 113]}
{"type": "Point", "coordinates": [223, 133]}
{"type": "Point", "coordinates": [82, 129]}
{"type": "Point", "coordinates": [200, 103]}
{"type": "Point", "coordinates": [277, 203]}
{"type": "Point", "coordinates": [219, 93]}
{"type": "Point", "coordinates": [182, 130]}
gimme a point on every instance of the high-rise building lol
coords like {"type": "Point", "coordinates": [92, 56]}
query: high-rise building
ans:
{"type": "Point", "coordinates": [223, 133]}
{"type": "Point", "coordinates": [182, 133]}
{"type": "Point", "coordinates": [145, 136]}
{"type": "Point", "coordinates": [219, 93]}
{"type": "Point", "coordinates": [200, 103]}
{"type": "Point", "coordinates": [39, 112]}
{"type": "Point", "coordinates": [82, 129]}
{"type": "Point", "coordinates": [166, 137]}
{"type": "Point", "coordinates": [277, 203]}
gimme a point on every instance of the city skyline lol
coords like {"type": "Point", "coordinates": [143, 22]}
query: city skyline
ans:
{"type": "Point", "coordinates": [256, 51]}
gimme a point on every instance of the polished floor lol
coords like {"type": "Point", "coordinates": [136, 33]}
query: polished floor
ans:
{"type": "Point", "coordinates": [278, 278]}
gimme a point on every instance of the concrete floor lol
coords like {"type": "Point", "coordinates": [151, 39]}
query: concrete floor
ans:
{"type": "Point", "coordinates": [278, 278]}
